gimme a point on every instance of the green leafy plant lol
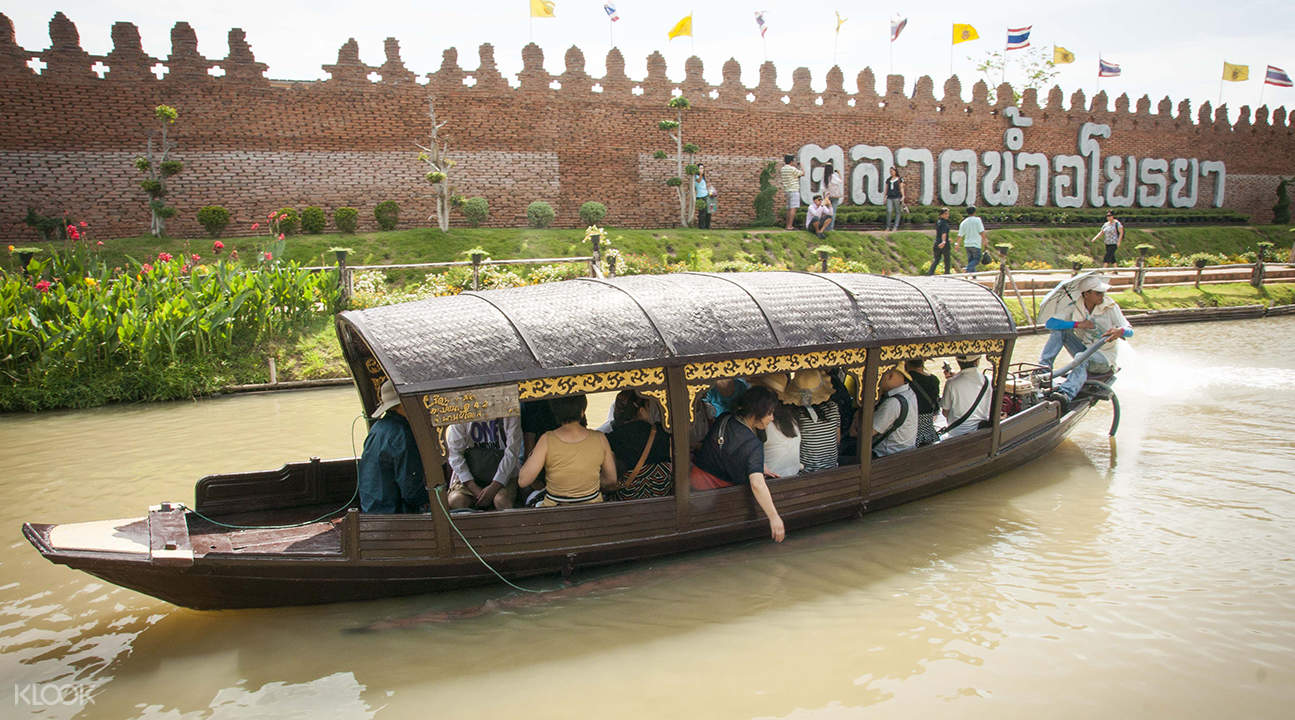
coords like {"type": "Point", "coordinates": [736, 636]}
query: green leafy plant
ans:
{"type": "Point", "coordinates": [313, 220]}
{"type": "Point", "coordinates": [764, 198]}
{"type": "Point", "coordinates": [476, 210]}
{"type": "Point", "coordinates": [213, 218]}
{"type": "Point", "coordinates": [158, 169]}
{"type": "Point", "coordinates": [539, 214]}
{"type": "Point", "coordinates": [1282, 210]}
{"type": "Point", "coordinates": [674, 128]}
{"type": "Point", "coordinates": [347, 219]}
{"type": "Point", "coordinates": [288, 220]}
{"type": "Point", "coordinates": [387, 213]}
{"type": "Point", "coordinates": [591, 213]}
{"type": "Point", "coordinates": [1078, 262]}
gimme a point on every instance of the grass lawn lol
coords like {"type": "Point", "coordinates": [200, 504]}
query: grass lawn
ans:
{"type": "Point", "coordinates": [1170, 298]}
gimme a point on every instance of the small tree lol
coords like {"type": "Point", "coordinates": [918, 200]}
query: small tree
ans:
{"type": "Point", "coordinates": [313, 220]}
{"type": "Point", "coordinates": [387, 213]}
{"type": "Point", "coordinates": [539, 214]}
{"type": "Point", "coordinates": [592, 212]}
{"type": "Point", "coordinates": [476, 210]}
{"type": "Point", "coordinates": [347, 219]}
{"type": "Point", "coordinates": [765, 197]}
{"type": "Point", "coordinates": [1282, 210]}
{"type": "Point", "coordinates": [682, 181]}
{"type": "Point", "coordinates": [157, 170]}
{"type": "Point", "coordinates": [214, 218]}
{"type": "Point", "coordinates": [1036, 63]}
{"type": "Point", "coordinates": [439, 174]}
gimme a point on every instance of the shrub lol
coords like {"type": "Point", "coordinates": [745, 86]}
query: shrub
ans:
{"type": "Point", "coordinates": [347, 219]}
{"type": "Point", "coordinates": [557, 272]}
{"type": "Point", "coordinates": [764, 198]}
{"type": "Point", "coordinates": [1282, 210]}
{"type": "Point", "coordinates": [288, 225]}
{"type": "Point", "coordinates": [591, 212]}
{"type": "Point", "coordinates": [476, 210]}
{"type": "Point", "coordinates": [313, 220]}
{"type": "Point", "coordinates": [387, 214]}
{"type": "Point", "coordinates": [214, 218]}
{"type": "Point", "coordinates": [1079, 261]}
{"type": "Point", "coordinates": [539, 214]}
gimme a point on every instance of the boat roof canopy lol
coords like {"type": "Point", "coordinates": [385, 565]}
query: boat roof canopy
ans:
{"type": "Point", "coordinates": [588, 324]}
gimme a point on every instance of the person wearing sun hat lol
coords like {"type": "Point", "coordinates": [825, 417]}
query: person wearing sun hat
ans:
{"type": "Point", "coordinates": [810, 391]}
{"type": "Point", "coordinates": [782, 437]}
{"type": "Point", "coordinates": [1094, 317]}
{"type": "Point", "coordinates": [391, 478]}
{"type": "Point", "coordinates": [894, 421]}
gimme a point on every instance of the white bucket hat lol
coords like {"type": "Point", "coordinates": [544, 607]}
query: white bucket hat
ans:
{"type": "Point", "coordinates": [387, 399]}
{"type": "Point", "coordinates": [1094, 282]}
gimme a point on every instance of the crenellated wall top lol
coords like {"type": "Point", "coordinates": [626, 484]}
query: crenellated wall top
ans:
{"type": "Point", "coordinates": [64, 61]}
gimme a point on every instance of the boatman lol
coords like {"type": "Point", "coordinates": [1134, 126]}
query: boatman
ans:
{"type": "Point", "coordinates": [391, 475]}
{"type": "Point", "coordinates": [1094, 317]}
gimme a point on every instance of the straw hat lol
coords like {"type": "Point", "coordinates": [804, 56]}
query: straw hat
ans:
{"type": "Point", "coordinates": [899, 368]}
{"type": "Point", "coordinates": [387, 399]}
{"type": "Point", "coordinates": [777, 382]}
{"type": "Point", "coordinates": [809, 387]}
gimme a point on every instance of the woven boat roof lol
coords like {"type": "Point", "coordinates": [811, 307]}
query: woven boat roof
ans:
{"type": "Point", "coordinates": [587, 324]}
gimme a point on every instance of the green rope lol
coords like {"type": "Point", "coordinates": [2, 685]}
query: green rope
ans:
{"type": "Point", "coordinates": [487, 565]}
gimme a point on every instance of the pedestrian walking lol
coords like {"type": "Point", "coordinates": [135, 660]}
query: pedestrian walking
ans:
{"type": "Point", "coordinates": [1113, 230]}
{"type": "Point", "coordinates": [894, 198]}
{"type": "Point", "coordinates": [972, 232]}
{"type": "Point", "coordinates": [942, 248]}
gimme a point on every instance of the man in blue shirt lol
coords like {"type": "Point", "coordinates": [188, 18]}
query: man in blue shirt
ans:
{"type": "Point", "coordinates": [391, 475]}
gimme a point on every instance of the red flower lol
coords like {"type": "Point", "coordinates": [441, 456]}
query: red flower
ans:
{"type": "Point", "coordinates": [272, 214]}
{"type": "Point", "coordinates": [146, 268]}
{"type": "Point", "coordinates": [43, 286]}
{"type": "Point", "coordinates": [280, 236]}
{"type": "Point", "coordinates": [100, 243]}
{"type": "Point", "coordinates": [269, 257]}
{"type": "Point", "coordinates": [71, 228]}
{"type": "Point", "coordinates": [195, 258]}
{"type": "Point", "coordinates": [83, 224]}
{"type": "Point", "coordinates": [217, 246]}
{"type": "Point", "coordinates": [73, 233]}
{"type": "Point", "coordinates": [256, 225]}
{"type": "Point", "coordinates": [283, 217]}
{"type": "Point", "coordinates": [184, 268]}
{"type": "Point", "coordinates": [164, 257]}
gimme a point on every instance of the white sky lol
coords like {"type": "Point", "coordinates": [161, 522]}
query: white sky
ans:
{"type": "Point", "coordinates": [1165, 48]}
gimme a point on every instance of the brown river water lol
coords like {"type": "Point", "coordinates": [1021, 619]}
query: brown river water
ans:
{"type": "Point", "coordinates": [1153, 576]}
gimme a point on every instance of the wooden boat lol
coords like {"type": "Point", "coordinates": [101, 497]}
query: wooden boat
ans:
{"type": "Point", "coordinates": [480, 354]}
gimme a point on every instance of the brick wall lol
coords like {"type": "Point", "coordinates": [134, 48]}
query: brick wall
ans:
{"type": "Point", "coordinates": [67, 136]}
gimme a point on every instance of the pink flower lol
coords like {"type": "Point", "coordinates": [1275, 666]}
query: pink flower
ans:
{"type": "Point", "coordinates": [269, 257]}
{"type": "Point", "coordinates": [73, 233]}
{"type": "Point", "coordinates": [146, 268]}
{"type": "Point", "coordinates": [83, 224]}
{"type": "Point", "coordinates": [43, 286]}
{"type": "Point", "coordinates": [194, 258]}
{"type": "Point", "coordinates": [100, 243]}
{"type": "Point", "coordinates": [71, 228]}
{"type": "Point", "coordinates": [164, 257]}
{"type": "Point", "coordinates": [184, 268]}
{"type": "Point", "coordinates": [217, 246]}
{"type": "Point", "coordinates": [283, 217]}
{"type": "Point", "coordinates": [272, 214]}
{"type": "Point", "coordinates": [256, 225]}
{"type": "Point", "coordinates": [280, 236]}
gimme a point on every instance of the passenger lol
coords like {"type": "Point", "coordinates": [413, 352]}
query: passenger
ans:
{"type": "Point", "coordinates": [390, 474]}
{"type": "Point", "coordinates": [819, 217]}
{"type": "Point", "coordinates": [782, 436]}
{"type": "Point", "coordinates": [537, 419]}
{"type": "Point", "coordinates": [732, 454]}
{"type": "Point", "coordinates": [641, 447]}
{"type": "Point", "coordinates": [577, 462]}
{"type": "Point", "coordinates": [894, 421]}
{"type": "Point", "coordinates": [967, 397]}
{"type": "Point", "coordinates": [484, 457]}
{"type": "Point", "coordinates": [845, 389]}
{"type": "Point", "coordinates": [927, 389]}
{"type": "Point", "coordinates": [724, 394]}
{"type": "Point", "coordinates": [1094, 317]}
{"type": "Point", "coordinates": [818, 417]}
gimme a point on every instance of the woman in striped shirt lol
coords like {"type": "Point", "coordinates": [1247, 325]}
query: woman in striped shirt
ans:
{"type": "Point", "coordinates": [818, 417]}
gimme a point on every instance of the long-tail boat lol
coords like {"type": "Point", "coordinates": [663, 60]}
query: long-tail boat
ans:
{"type": "Point", "coordinates": [481, 354]}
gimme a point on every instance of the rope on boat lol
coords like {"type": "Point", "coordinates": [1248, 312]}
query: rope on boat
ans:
{"type": "Point", "coordinates": [325, 516]}
{"type": "Point", "coordinates": [476, 554]}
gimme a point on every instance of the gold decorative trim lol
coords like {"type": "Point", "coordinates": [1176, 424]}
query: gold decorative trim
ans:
{"type": "Point", "coordinates": [892, 353]}
{"type": "Point", "coordinates": [747, 367]}
{"type": "Point", "coordinates": [589, 383]}
{"type": "Point", "coordinates": [692, 399]}
{"type": "Point", "coordinates": [377, 375]}
{"type": "Point", "coordinates": [660, 396]}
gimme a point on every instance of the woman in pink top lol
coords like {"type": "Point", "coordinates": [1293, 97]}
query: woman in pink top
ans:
{"type": "Point", "coordinates": [577, 462]}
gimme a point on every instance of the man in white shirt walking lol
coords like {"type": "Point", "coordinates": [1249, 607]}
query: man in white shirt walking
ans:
{"type": "Point", "coordinates": [972, 232]}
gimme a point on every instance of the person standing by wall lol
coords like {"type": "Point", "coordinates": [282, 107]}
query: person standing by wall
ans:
{"type": "Point", "coordinates": [789, 178]}
{"type": "Point", "coordinates": [942, 249]}
{"type": "Point", "coordinates": [835, 190]}
{"type": "Point", "coordinates": [1114, 231]}
{"type": "Point", "coordinates": [894, 199]}
{"type": "Point", "coordinates": [972, 232]}
{"type": "Point", "coordinates": [701, 187]}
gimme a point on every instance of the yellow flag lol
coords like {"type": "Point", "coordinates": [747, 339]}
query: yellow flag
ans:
{"type": "Point", "coordinates": [1235, 73]}
{"type": "Point", "coordinates": [963, 33]}
{"type": "Point", "coordinates": [542, 8]}
{"type": "Point", "coordinates": [682, 28]}
{"type": "Point", "coordinates": [839, 20]}
{"type": "Point", "coordinates": [1061, 56]}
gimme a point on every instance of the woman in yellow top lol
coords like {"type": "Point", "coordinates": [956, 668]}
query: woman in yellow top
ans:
{"type": "Point", "coordinates": [577, 462]}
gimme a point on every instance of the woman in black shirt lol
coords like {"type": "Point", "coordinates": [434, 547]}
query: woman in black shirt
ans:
{"type": "Point", "coordinates": [642, 450]}
{"type": "Point", "coordinates": [732, 453]}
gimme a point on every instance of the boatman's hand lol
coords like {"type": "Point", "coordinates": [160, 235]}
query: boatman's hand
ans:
{"type": "Point", "coordinates": [1085, 324]}
{"type": "Point", "coordinates": [1113, 334]}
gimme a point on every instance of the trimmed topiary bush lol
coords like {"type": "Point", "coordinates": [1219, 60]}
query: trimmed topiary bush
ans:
{"type": "Point", "coordinates": [387, 214]}
{"type": "Point", "coordinates": [313, 220]}
{"type": "Point", "coordinates": [476, 210]}
{"type": "Point", "coordinates": [540, 214]}
{"type": "Point", "coordinates": [214, 218]}
{"type": "Point", "coordinates": [592, 212]}
{"type": "Point", "coordinates": [288, 225]}
{"type": "Point", "coordinates": [347, 219]}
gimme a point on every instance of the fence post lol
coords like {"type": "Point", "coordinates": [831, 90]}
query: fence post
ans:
{"type": "Point", "coordinates": [344, 280]}
{"type": "Point", "coordinates": [1140, 275]}
{"type": "Point", "coordinates": [1257, 279]}
{"type": "Point", "coordinates": [1000, 282]}
{"type": "Point", "coordinates": [611, 266]}
{"type": "Point", "coordinates": [476, 270]}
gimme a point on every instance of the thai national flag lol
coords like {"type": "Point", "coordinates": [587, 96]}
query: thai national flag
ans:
{"type": "Point", "coordinates": [1277, 76]}
{"type": "Point", "coordinates": [1107, 69]}
{"type": "Point", "coordinates": [759, 20]}
{"type": "Point", "coordinates": [1018, 38]}
{"type": "Point", "coordinates": [897, 25]}
{"type": "Point", "coordinates": [611, 11]}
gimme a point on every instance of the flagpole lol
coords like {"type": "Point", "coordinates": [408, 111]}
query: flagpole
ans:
{"type": "Point", "coordinates": [1220, 89]}
{"type": "Point", "coordinates": [611, 32]}
{"type": "Point", "coordinates": [1261, 89]}
{"type": "Point", "coordinates": [950, 53]}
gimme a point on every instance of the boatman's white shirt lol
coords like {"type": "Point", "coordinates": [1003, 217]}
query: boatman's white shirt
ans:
{"type": "Point", "coordinates": [959, 393]}
{"type": "Point", "coordinates": [1105, 316]}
